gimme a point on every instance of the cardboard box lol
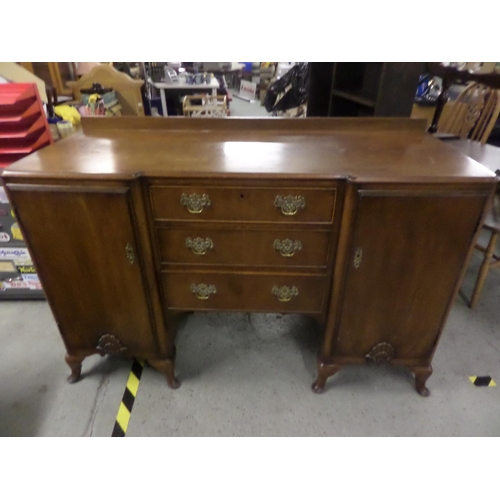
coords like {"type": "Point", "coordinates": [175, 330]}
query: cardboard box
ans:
{"type": "Point", "coordinates": [262, 96]}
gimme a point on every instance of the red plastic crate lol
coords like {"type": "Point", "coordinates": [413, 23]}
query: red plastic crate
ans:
{"type": "Point", "coordinates": [23, 124]}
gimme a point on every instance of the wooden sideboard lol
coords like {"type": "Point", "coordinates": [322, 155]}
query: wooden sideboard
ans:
{"type": "Point", "coordinates": [365, 225]}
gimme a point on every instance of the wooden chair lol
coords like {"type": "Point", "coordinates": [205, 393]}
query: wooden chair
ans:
{"type": "Point", "coordinates": [491, 260]}
{"type": "Point", "coordinates": [128, 89]}
{"type": "Point", "coordinates": [473, 114]}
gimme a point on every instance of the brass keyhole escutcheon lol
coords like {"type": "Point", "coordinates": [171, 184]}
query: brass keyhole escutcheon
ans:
{"type": "Point", "coordinates": [129, 252]}
{"type": "Point", "coordinates": [358, 255]}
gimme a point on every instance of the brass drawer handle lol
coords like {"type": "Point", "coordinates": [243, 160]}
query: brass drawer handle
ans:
{"type": "Point", "coordinates": [195, 203]}
{"type": "Point", "coordinates": [289, 204]}
{"type": "Point", "coordinates": [287, 248]}
{"type": "Point", "coordinates": [203, 291]}
{"type": "Point", "coordinates": [285, 293]}
{"type": "Point", "coordinates": [129, 252]}
{"type": "Point", "coordinates": [199, 246]}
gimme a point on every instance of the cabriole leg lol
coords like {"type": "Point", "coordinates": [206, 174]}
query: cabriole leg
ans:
{"type": "Point", "coordinates": [75, 363]}
{"type": "Point", "coordinates": [422, 373]}
{"type": "Point", "coordinates": [324, 371]}
{"type": "Point", "coordinates": [167, 367]}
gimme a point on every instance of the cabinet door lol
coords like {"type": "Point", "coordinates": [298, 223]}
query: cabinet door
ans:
{"type": "Point", "coordinates": [406, 253]}
{"type": "Point", "coordinates": [83, 245]}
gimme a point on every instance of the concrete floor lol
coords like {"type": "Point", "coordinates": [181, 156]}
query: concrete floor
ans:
{"type": "Point", "coordinates": [250, 375]}
{"type": "Point", "coordinates": [239, 107]}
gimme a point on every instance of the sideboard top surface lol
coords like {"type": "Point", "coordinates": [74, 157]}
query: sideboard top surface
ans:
{"type": "Point", "coordinates": [369, 150]}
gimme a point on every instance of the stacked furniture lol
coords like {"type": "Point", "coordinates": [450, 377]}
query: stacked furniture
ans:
{"type": "Point", "coordinates": [23, 130]}
{"type": "Point", "coordinates": [365, 225]}
{"type": "Point", "coordinates": [23, 124]}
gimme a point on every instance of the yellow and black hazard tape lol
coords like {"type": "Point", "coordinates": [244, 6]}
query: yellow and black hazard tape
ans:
{"type": "Point", "coordinates": [483, 381]}
{"type": "Point", "coordinates": [127, 403]}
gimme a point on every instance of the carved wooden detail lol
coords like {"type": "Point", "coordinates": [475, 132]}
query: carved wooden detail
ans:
{"type": "Point", "coordinates": [381, 353]}
{"type": "Point", "coordinates": [109, 344]}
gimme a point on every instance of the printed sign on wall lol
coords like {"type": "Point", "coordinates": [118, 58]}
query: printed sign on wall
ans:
{"type": "Point", "coordinates": [247, 90]}
{"type": "Point", "coordinates": [26, 269]}
{"type": "Point", "coordinates": [7, 267]}
{"type": "Point", "coordinates": [20, 256]}
{"type": "Point", "coordinates": [14, 285]}
{"type": "Point", "coordinates": [16, 232]}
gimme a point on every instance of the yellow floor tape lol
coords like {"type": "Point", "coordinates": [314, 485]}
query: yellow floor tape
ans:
{"type": "Point", "coordinates": [127, 403]}
{"type": "Point", "coordinates": [483, 381]}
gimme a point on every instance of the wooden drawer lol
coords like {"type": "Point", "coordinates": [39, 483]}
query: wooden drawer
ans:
{"type": "Point", "coordinates": [199, 244]}
{"type": "Point", "coordinates": [244, 291]}
{"type": "Point", "coordinates": [243, 204]}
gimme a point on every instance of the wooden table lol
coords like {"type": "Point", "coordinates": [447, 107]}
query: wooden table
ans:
{"type": "Point", "coordinates": [485, 154]}
{"type": "Point", "coordinates": [182, 85]}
